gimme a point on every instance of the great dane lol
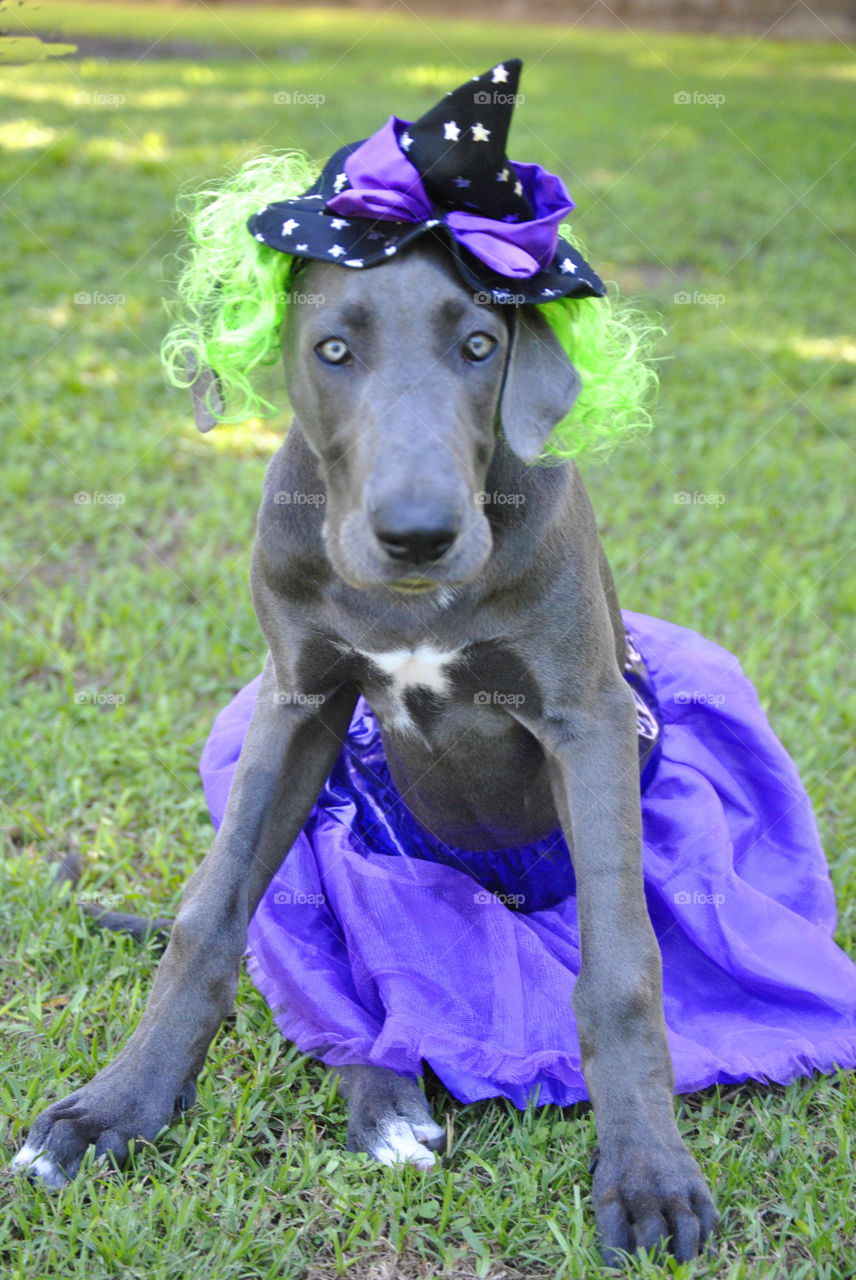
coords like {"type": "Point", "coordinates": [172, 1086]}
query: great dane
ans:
{"type": "Point", "coordinates": [404, 412]}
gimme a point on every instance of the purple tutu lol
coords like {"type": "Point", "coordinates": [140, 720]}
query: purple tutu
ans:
{"type": "Point", "coordinates": [370, 950]}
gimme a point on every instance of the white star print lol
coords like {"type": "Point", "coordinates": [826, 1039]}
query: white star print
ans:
{"type": "Point", "coordinates": [406, 142]}
{"type": "Point", "coordinates": [461, 181]}
{"type": "Point", "coordinates": [288, 227]}
{"type": "Point", "coordinates": [337, 251]}
{"type": "Point", "coordinates": [259, 236]}
{"type": "Point", "coordinates": [480, 133]}
{"type": "Point", "coordinates": [432, 222]}
{"type": "Point", "coordinates": [500, 75]}
{"type": "Point", "coordinates": [301, 248]}
{"type": "Point", "coordinates": [352, 262]}
{"type": "Point", "coordinates": [569, 268]}
{"type": "Point", "coordinates": [518, 188]}
{"type": "Point", "coordinates": [451, 132]}
{"type": "Point", "coordinates": [548, 293]}
{"type": "Point", "coordinates": [390, 250]}
{"type": "Point", "coordinates": [341, 179]}
{"type": "Point", "coordinates": [502, 177]}
{"type": "Point", "coordinates": [338, 223]}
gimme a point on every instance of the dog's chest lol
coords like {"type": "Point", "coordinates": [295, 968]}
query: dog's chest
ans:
{"type": "Point", "coordinates": [426, 691]}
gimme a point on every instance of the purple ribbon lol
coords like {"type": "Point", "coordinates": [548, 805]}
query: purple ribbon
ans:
{"type": "Point", "coordinates": [385, 185]}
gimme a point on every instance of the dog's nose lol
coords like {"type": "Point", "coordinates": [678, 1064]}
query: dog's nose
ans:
{"type": "Point", "coordinates": [416, 546]}
{"type": "Point", "coordinates": [413, 536]}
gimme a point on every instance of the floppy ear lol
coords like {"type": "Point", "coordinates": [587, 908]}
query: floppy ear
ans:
{"type": "Point", "coordinates": [205, 394]}
{"type": "Point", "coordinates": [540, 385]}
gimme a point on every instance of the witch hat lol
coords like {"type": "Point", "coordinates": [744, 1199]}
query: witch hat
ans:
{"type": "Point", "coordinates": [447, 175]}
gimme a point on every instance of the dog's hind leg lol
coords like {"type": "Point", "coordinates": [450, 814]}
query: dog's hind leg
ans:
{"type": "Point", "coordinates": [388, 1117]}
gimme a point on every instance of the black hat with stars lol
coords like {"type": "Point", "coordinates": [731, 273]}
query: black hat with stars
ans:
{"type": "Point", "coordinates": [447, 174]}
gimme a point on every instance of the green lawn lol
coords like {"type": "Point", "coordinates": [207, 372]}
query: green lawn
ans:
{"type": "Point", "coordinates": [128, 623]}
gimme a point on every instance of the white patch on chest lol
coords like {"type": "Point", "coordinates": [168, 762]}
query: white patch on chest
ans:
{"type": "Point", "coordinates": [422, 667]}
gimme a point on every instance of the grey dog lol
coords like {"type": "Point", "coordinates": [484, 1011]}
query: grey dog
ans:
{"type": "Point", "coordinates": [402, 414]}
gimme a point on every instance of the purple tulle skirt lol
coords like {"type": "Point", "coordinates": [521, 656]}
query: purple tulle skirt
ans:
{"type": "Point", "coordinates": [370, 950]}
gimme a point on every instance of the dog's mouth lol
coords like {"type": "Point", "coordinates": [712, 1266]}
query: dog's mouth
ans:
{"type": "Point", "coordinates": [414, 586]}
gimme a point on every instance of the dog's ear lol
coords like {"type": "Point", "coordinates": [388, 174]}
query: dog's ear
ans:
{"type": "Point", "coordinates": [540, 385]}
{"type": "Point", "coordinates": [205, 393]}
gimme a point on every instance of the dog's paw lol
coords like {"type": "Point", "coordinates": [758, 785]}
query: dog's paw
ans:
{"type": "Point", "coordinates": [652, 1198]}
{"type": "Point", "coordinates": [102, 1117]}
{"type": "Point", "coordinates": [389, 1119]}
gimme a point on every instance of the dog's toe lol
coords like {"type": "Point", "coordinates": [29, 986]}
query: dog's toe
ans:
{"type": "Point", "coordinates": [430, 1135]}
{"type": "Point", "coordinates": [36, 1166]}
{"type": "Point", "coordinates": [400, 1142]}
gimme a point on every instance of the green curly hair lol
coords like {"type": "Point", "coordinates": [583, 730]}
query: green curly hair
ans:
{"type": "Point", "coordinates": [232, 293]}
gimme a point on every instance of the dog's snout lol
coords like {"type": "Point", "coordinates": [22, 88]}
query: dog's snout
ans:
{"type": "Point", "coordinates": [413, 536]}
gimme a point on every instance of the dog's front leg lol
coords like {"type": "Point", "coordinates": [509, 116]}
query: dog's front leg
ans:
{"type": "Point", "coordinates": [647, 1187]}
{"type": "Point", "coordinates": [289, 751]}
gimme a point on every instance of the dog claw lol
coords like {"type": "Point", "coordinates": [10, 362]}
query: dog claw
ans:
{"type": "Point", "coordinates": [186, 1098]}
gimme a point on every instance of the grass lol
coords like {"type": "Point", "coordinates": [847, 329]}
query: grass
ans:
{"type": "Point", "coordinates": [127, 619]}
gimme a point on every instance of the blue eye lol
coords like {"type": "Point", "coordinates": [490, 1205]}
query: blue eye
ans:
{"type": "Point", "coordinates": [333, 351]}
{"type": "Point", "coordinates": [478, 346]}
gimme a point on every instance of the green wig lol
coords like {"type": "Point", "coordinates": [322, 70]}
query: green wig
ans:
{"type": "Point", "coordinates": [232, 293]}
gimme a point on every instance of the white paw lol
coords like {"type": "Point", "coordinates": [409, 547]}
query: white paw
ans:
{"type": "Point", "coordinates": [401, 1142]}
{"type": "Point", "coordinates": [34, 1164]}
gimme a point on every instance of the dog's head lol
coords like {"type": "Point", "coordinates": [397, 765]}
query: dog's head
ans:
{"type": "Point", "coordinates": [401, 379]}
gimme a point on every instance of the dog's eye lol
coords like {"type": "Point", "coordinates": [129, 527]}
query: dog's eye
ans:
{"type": "Point", "coordinates": [333, 351]}
{"type": "Point", "coordinates": [478, 346]}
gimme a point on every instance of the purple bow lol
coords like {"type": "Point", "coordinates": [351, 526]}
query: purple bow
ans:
{"type": "Point", "coordinates": [385, 185]}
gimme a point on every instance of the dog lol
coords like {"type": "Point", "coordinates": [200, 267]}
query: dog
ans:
{"type": "Point", "coordinates": [402, 415]}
